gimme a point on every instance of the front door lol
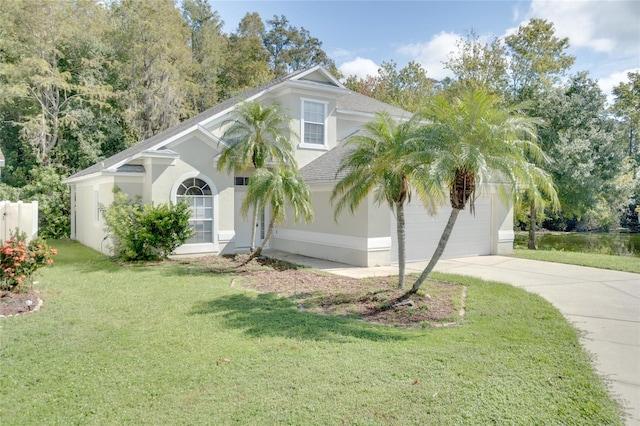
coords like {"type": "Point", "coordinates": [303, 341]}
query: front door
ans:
{"type": "Point", "coordinates": [243, 225]}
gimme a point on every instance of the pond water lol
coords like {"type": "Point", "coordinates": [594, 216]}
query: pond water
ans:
{"type": "Point", "coordinates": [586, 242]}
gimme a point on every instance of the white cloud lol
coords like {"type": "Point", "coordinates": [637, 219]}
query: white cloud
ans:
{"type": "Point", "coordinates": [432, 53]}
{"type": "Point", "coordinates": [606, 26]}
{"type": "Point", "coordinates": [612, 80]}
{"type": "Point", "coordinates": [360, 67]}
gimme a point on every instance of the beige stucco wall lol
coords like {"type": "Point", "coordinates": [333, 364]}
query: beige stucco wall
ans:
{"type": "Point", "coordinates": [502, 233]}
{"type": "Point", "coordinates": [292, 105]}
{"type": "Point", "coordinates": [158, 185]}
{"type": "Point", "coordinates": [359, 239]}
{"type": "Point", "coordinates": [338, 128]}
{"type": "Point", "coordinates": [89, 195]}
{"type": "Point", "coordinates": [364, 238]}
{"type": "Point", "coordinates": [196, 159]}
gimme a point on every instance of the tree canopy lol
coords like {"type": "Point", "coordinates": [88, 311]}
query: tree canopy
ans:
{"type": "Point", "coordinates": [407, 88]}
{"type": "Point", "coordinates": [82, 80]}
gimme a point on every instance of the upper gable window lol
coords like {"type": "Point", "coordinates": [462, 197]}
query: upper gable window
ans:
{"type": "Point", "coordinates": [314, 124]}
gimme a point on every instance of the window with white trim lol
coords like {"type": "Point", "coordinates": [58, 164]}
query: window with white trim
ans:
{"type": "Point", "coordinates": [198, 194]}
{"type": "Point", "coordinates": [241, 181]}
{"type": "Point", "coordinates": [314, 128]}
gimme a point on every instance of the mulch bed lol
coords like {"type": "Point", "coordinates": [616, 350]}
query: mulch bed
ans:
{"type": "Point", "coordinates": [369, 299]}
{"type": "Point", "coordinates": [17, 303]}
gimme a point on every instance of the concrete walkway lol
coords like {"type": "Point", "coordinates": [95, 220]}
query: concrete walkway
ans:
{"type": "Point", "coordinates": [603, 304]}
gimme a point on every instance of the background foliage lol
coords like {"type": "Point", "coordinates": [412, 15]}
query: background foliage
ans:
{"type": "Point", "coordinates": [82, 80]}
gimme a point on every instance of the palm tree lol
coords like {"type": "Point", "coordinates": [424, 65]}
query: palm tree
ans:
{"type": "Point", "coordinates": [382, 160]}
{"type": "Point", "coordinates": [257, 136]}
{"type": "Point", "coordinates": [278, 188]}
{"type": "Point", "coordinates": [474, 140]}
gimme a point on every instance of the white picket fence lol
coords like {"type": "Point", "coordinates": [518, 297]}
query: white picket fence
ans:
{"type": "Point", "coordinates": [19, 216]}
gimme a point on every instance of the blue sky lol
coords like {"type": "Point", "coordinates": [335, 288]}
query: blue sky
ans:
{"type": "Point", "coordinates": [360, 35]}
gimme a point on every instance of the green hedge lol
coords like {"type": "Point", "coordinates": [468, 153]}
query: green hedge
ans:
{"type": "Point", "coordinates": [145, 232]}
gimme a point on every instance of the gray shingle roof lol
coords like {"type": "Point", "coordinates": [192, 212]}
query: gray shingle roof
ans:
{"type": "Point", "coordinates": [361, 103]}
{"type": "Point", "coordinates": [325, 167]}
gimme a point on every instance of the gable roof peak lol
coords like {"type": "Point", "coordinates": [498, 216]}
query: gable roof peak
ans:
{"type": "Point", "coordinates": [322, 75]}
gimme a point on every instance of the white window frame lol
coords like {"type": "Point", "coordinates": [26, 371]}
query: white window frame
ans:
{"type": "Point", "coordinates": [241, 181]}
{"type": "Point", "coordinates": [201, 212]}
{"type": "Point", "coordinates": [205, 247]}
{"type": "Point", "coordinates": [303, 144]}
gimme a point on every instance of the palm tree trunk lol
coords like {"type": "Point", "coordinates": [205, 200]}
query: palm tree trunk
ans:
{"type": "Point", "coordinates": [532, 225]}
{"type": "Point", "coordinates": [252, 247]}
{"type": "Point", "coordinates": [402, 252]}
{"type": "Point", "coordinates": [267, 237]}
{"type": "Point", "coordinates": [436, 255]}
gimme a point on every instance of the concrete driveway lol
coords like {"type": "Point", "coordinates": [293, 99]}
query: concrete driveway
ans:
{"type": "Point", "coordinates": [603, 304]}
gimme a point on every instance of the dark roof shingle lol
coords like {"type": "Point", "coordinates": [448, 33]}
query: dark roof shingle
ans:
{"type": "Point", "coordinates": [361, 103]}
{"type": "Point", "coordinates": [325, 168]}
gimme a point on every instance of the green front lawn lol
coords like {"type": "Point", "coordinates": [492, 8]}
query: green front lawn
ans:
{"type": "Point", "coordinates": [165, 345]}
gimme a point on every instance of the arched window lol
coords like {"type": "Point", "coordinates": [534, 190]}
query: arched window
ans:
{"type": "Point", "coordinates": [198, 194]}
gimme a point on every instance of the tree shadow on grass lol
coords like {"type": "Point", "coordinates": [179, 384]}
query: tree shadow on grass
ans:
{"type": "Point", "coordinates": [229, 264]}
{"type": "Point", "coordinates": [268, 315]}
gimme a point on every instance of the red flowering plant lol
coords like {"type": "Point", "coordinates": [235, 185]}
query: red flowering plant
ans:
{"type": "Point", "coordinates": [19, 260]}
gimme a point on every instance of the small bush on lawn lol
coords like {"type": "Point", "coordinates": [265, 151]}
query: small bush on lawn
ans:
{"type": "Point", "coordinates": [146, 232]}
{"type": "Point", "coordinates": [19, 260]}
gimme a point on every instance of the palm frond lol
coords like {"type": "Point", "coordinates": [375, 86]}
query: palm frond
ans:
{"type": "Point", "coordinates": [257, 135]}
{"type": "Point", "coordinates": [473, 133]}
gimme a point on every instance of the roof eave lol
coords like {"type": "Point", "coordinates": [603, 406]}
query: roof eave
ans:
{"type": "Point", "coordinates": [365, 114]}
{"type": "Point", "coordinates": [73, 180]}
{"type": "Point", "coordinates": [307, 84]}
{"type": "Point", "coordinates": [226, 111]}
{"type": "Point", "coordinates": [172, 155]}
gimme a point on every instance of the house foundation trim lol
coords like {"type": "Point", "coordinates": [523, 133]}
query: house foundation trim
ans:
{"type": "Point", "coordinates": [506, 236]}
{"type": "Point", "coordinates": [333, 240]}
{"type": "Point", "coordinates": [226, 236]}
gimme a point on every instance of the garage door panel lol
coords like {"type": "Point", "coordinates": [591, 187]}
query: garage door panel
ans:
{"type": "Point", "coordinates": [471, 234]}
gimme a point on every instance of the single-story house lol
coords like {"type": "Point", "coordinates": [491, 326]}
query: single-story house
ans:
{"type": "Point", "coordinates": [182, 161]}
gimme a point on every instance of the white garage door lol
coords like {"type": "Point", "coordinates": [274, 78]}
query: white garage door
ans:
{"type": "Point", "coordinates": [471, 235]}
